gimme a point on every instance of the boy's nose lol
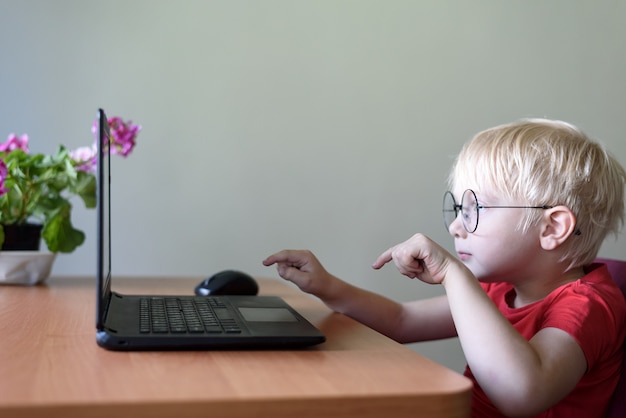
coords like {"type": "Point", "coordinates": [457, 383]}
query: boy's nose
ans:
{"type": "Point", "coordinates": [457, 229]}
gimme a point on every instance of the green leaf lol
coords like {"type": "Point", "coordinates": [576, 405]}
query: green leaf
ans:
{"type": "Point", "coordinates": [59, 234]}
{"type": "Point", "coordinates": [85, 187]}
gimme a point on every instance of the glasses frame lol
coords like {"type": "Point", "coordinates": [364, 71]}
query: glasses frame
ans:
{"type": "Point", "coordinates": [458, 208]}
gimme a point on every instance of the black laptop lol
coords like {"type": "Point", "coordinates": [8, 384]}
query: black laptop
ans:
{"type": "Point", "coordinates": [171, 322]}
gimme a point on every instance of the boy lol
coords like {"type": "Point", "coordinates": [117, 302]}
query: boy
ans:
{"type": "Point", "coordinates": [542, 328]}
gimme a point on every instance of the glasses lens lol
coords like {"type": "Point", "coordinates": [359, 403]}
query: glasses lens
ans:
{"type": "Point", "coordinates": [469, 210]}
{"type": "Point", "coordinates": [449, 210]}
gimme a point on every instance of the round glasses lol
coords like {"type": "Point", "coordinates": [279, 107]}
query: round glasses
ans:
{"type": "Point", "coordinates": [470, 209]}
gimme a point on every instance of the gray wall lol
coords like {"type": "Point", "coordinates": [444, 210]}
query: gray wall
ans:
{"type": "Point", "coordinates": [327, 125]}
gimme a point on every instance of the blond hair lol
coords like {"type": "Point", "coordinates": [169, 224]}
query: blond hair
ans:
{"type": "Point", "coordinates": [548, 162]}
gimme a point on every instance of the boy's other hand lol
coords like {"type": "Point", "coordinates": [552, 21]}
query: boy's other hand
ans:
{"type": "Point", "coordinates": [302, 268]}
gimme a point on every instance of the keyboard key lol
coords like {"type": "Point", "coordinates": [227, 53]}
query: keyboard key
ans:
{"type": "Point", "coordinates": [179, 316]}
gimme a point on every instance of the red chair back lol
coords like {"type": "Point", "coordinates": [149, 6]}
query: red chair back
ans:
{"type": "Point", "coordinates": [617, 407]}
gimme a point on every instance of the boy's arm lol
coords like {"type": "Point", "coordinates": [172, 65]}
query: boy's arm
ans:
{"type": "Point", "coordinates": [409, 322]}
{"type": "Point", "coordinates": [520, 377]}
{"type": "Point", "coordinates": [420, 320]}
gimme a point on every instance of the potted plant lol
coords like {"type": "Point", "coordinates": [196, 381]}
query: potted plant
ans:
{"type": "Point", "coordinates": [36, 189]}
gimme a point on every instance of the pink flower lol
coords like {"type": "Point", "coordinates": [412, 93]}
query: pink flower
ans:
{"type": "Point", "coordinates": [3, 176]}
{"type": "Point", "coordinates": [85, 158]}
{"type": "Point", "coordinates": [123, 134]}
{"type": "Point", "coordinates": [14, 142]}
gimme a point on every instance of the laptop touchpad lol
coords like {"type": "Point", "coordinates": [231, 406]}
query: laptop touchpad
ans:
{"type": "Point", "coordinates": [267, 315]}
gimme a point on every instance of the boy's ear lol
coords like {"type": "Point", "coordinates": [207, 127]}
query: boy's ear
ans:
{"type": "Point", "coordinates": [558, 224]}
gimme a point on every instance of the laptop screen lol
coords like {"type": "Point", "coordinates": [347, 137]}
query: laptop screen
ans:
{"type": "Point", "coordinates": [103, 273]}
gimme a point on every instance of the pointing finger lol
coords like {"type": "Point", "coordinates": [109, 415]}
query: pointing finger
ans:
{"type": "Point", "coordinates": [383, 259]}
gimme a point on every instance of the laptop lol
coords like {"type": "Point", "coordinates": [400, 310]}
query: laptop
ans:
{"type": "Point", "coordinates": [174, 322]}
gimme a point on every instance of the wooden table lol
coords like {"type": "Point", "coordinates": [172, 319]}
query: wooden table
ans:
{"type": "Point", "coordinates": [52, 367]}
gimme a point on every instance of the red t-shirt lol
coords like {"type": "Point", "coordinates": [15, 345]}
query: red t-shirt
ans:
{"type": "Point", "coordinates": [593, 311]}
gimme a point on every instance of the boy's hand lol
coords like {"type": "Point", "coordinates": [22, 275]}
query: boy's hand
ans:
{"type": "Point", "coordinates": [302, 268]}
{"type": "Point", "coordinates": [418, 257]}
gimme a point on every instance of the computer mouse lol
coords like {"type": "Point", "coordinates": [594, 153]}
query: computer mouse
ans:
{"type": "Point", "coordinates": [228, 282]}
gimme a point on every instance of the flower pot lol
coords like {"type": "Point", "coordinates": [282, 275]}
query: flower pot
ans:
{"type": "Point", "coordinates": [25, 267]}
{"type": "Point", "coordinates": [22, 237]}
{"type": "Point", "coordinates": [21, 262]}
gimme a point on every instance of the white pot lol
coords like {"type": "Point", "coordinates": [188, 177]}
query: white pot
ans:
{"type": "Point", "coordinates": [25, 267]}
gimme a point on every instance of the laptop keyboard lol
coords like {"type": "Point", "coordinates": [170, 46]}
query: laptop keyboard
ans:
{"type": "Point", "coordinates": [165, 315]}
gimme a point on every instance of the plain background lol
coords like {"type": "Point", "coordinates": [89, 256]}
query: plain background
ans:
{"type": "Point", "coordinates": [328, 125]}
